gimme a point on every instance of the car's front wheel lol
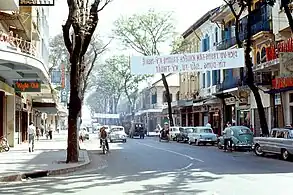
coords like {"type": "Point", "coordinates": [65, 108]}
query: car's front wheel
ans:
{"type": "Point", "coordinates": [258, 151]}
{"type": "Point", "coordinates": [219, 145]}
{"type": "Point", "coordinates": [285, 154]}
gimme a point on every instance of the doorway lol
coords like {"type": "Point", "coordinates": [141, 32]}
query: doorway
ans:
{"type": "Point", "coordinates": [24, 125]}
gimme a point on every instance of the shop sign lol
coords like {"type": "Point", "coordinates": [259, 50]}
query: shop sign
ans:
{"type": "Point", "coordinates": [282, 82]}
{"type": "Point", "coordinates": [62, 76]}
{"type": "Point", "coordinates": [284, 46]}
{"type": "Point", "coordinates": [36, 2]}
{"type": "Point", "coordinates": [27, 86]}
{"type": "Point", "coordinates": [64, 96]}
{"type": "Point", "coordinates": [230, 101]}
{"type": "Point", "coordinates": [192, 62]}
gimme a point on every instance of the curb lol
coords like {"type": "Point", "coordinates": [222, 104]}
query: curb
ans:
{"type": "Point", "coordinates": [44, 173]}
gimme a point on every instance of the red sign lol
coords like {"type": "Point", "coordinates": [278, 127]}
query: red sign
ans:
{"type": "Point", "coordinates": [62, 76]}
{"type": "Point", "coordinates": [284, 46]}
{"type": "Point", "coordinates": [283, 82]}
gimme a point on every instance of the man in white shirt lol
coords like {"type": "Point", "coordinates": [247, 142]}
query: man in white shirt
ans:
{"type": "Point", "coordinates": [31, 136]}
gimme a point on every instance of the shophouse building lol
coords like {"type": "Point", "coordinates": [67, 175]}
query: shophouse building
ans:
{"type": "Point", "coordinates": [25, 90]}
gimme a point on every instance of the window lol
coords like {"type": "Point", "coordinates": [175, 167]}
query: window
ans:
{"type": "Point", "coordinates": [154, 98]}
{"type": "Point", "coordinates": [216, 35]}
{"type": "Point", "coordinates": [165, 96]}
{"type": "Point", "coordinates": [263, 55]}
{"type": "Point", "coordinates": [208, 78]}
{"type": "Point", "coordinates": [291, 97]}
{"type": "Point", "coordinates": [203, 80]}
{"type": "Point", "coordinates": [274, 133]}
{"type": "Point", "coordinates": [257, 58]}
{"type": "Point", "coordinates": [206, 130]}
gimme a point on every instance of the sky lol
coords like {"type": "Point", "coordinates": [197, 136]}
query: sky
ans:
{"type": "Point", "coordinates": [185, 13]}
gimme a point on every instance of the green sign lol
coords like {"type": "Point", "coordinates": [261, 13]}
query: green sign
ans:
{"type": "Point", "coordinates": [27, 86]}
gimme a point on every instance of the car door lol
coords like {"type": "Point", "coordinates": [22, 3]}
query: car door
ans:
{"type": "Point", "coordinates": [270, 143]}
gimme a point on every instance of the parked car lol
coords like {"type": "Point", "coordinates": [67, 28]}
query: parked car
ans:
{"type": "Point", "coordinates": [280, 142]}
{"type": "Point", "coordinates": [117, 133]}
{"type": "Point", "coordinates": [182, 136]}
{"type": "Point", "coordinates": [202, 135]}
{"type": "Point", "coordinates": [137, 129]}
{"type": "Point", "coordinates": [242, 137]}
{"type": "Point", "coordinates": [173, 132]}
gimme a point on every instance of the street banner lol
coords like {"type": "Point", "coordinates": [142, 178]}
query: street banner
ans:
{"type": "Point", "coordinates": [102, 115]}
{"type": "Point", "coordinates": [189, 62]}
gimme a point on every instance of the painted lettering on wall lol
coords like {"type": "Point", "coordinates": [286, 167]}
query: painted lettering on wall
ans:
{"type": "Point", "coordinates": [27, 86]}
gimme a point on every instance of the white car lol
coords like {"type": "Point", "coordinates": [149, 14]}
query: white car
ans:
{"type": "Point", "coordinates": [202, 135]}
{"type": "Point", "coordinates": [117, 133]}
{"type": "Point", "coordinates": [173, 132]}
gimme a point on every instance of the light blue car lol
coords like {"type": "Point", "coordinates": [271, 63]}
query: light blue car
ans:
{"type": "Point", "coordinates": [202, 135]}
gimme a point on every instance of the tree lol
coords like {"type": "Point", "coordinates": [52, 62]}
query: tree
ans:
{"type": "Point", "coordinates": [120, 66]}
{"type": "Point", "coordinates": [147, 33]}
{"type": "Point", "coordinates": [84, 20]}
{"type": "Point", "coordinates": [246, 4]}
{"type": "Point", "coordinates": [285, 4]}
{"type": "Point", "coordinates": [58, 53]}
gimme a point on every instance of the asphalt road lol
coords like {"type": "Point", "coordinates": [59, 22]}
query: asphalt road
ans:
{"type": "Point", "coordinates": [151, 167]}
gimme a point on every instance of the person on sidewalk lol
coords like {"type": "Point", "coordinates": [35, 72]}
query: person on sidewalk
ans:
{"type": "Point", "coordinates": [50, 131]}
{"type": "Point", "coordinates": [42, 130]}
{"type": "Point", "coordinates": [38, 132]}
{"type": "Point", "coordinates": [31, 137]}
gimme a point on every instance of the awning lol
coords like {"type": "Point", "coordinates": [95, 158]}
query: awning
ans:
{"type": "Point", "coordinates": [212, 101]}
{"type": "Point", "coordinates": [274, 91]}
{"type": "Point", "coordinates": [49, 108]}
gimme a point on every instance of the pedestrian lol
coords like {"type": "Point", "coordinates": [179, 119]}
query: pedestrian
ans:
{"type": "Point", "coordinates": [50, 131]}
{"type": "Point", "coordinates": [31, 137]}
{"type": "Point", "coordinates": [42, 130]}
{"type": "Point", "coordinates": [208, 124]}
{"type": "Point", "coordinates": [38, 132]}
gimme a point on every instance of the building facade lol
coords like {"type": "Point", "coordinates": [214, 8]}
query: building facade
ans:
{"type": "Point", "coordinates": [25, 90]}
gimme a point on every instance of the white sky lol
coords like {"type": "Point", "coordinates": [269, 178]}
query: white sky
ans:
{"type": "Point", "coordinates": [186, 12]}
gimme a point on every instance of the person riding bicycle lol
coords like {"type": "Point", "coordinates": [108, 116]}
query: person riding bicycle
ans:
{"type": "Point", "coordinates": [103, 135]}
{"type": "Point", "coordinates": [165, 131]}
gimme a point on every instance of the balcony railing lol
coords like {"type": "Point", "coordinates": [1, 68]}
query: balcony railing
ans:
{"type": "Point", "coordinates": [261, 21]}
{"type": "Point", "coordinates": [264, 78]}
{"type": "Point", "coordinates": [17, 43]}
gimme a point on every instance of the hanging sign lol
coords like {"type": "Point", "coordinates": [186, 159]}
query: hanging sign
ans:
{"type": "Point", "coordinates": [27, 86]}
{"type": "Point", "coordinates": [36, 2]}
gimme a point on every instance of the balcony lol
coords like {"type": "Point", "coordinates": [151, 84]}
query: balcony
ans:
{"type": "Point", "coordinates": [228, 83]}
{"type": "Point", "coordinates": [9, 5]}
{"type": "Point", "coordinates": [261, 22]}
{"type": "Point", "coordinates": [16, 43]}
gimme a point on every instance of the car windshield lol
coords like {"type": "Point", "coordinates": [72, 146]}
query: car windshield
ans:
{"type": "Point", "coordinates": [244, 131]}
{"type": "Point", "coordinates": [117, 129]}
{"type": "Point", "coordinates": [205, 131]}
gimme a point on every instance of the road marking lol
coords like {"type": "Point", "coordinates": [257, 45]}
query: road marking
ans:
{"type": "Point", "coordinates": [186, 167]}
{"type": "Point", "coordinates": [166, 150]}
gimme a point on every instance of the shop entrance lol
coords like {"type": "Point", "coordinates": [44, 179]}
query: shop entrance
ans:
{"type": "Point", "coordinates": [24, 125]}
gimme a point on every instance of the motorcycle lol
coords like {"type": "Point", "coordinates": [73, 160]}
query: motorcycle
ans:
{"type": "Point", "coordinates": [104, 147]}
{"type": "Point", "coordinates": [4, 145]}
{"type": "Point", "coordinates": [164, 136]}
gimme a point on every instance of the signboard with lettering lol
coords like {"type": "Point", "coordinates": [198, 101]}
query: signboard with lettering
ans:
{"type": "Point", "coordinates": [191, 62]}
{"type": "Point", "coordinates": [273, 51]}
{"type": "Point", "coordinates": [64, 95]}
{"type": "Point", "coordinates": [36, 2]}
{"type": "Point", "coordinates": [282, 82]}
{"type": "Point", "coordinates": [27, 86]}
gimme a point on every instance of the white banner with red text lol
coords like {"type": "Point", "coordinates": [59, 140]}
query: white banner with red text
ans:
{"type": "Point", "coordinates": [190, 62]}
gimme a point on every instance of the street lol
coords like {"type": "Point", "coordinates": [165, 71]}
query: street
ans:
{"type": "Point", "coordinates": [152, 167]}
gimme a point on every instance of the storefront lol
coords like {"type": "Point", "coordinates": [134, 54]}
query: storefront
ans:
{"type": "Point", "coordinates": [243, 108]}
{"type": "Point", "coordinates": [229, 110]}
{"type": "Point", "coordinates": [18, 114]}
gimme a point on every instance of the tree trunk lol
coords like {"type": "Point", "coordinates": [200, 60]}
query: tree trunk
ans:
{"type": "Point", "coordinates": [115, 105]}
{"type": "Point", "coordinates": [284, 4]}
{"type": "Point", "coordinates": [164, 79]}
{"type": "Point", "coordinates": [250, 76]}
{"type": "Point", "coordinates": [74, 110]}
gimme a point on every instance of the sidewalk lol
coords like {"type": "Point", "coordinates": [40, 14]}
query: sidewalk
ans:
{"type": "Point", "coordinates": [47, 159]}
